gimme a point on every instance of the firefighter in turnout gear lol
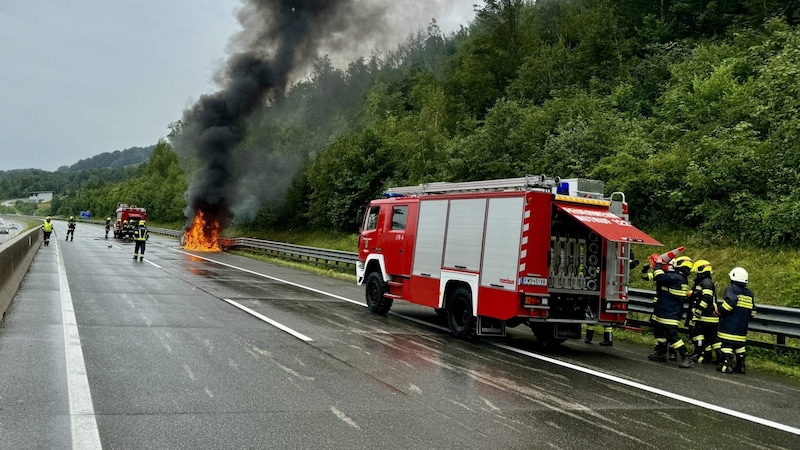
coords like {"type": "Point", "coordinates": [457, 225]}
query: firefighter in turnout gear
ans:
{"type": "Point", "coordinates": [735, 312]}
{"type": "Point", "coordinates": [672, 288]}
{"type": "Point", "coordinates": [704, 312]}
{"type": "Point", "coordinates": [47, 228]}
{"type": "Point", "coordinates": [129, 228]}
{"type": "Point", "coordinates": [108, 225]}
{"type": "Point", "coordinates": [140, 235]}
{"type": "Point", "coordinates": [71, 228]}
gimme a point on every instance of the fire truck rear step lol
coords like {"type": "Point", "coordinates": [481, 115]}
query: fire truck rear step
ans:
{"type": "Point", "coordinates": [486, 326]}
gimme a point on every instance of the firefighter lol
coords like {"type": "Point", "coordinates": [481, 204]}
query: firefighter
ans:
{"type": "Point", "coordinates": [704, 312]}
{"type": "Point", "coordinates": [672, 288]}
{"type": "Point", "coordinates": [108, 225]}
{"type": "Point", "coordinates": [71, 228]}
{"type": "Point", "coordinates": [47, 228]}
{"type": "Point", "coordinates": [608, 335]}
{"type": "Point", "coordinates": [140, 235]}
{"type": "Point", "coordinates": [735, 312]}
{"type": "Point", "coordinates": [129, 227]}
{"type": "Point", "coordinates": [683, 264]}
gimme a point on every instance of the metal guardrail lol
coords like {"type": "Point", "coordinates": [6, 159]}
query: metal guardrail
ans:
{"type": "Point", "coordinates": [778, 321]}
{"type": "Point", "coordinates": [314, 255]}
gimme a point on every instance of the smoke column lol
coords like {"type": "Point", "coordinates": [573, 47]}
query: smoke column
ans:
{"type": "Point", "coordinates": [280, 40]}
{"type": "Point", "coordinates": [278, 36]}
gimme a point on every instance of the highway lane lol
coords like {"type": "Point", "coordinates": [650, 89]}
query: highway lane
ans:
{"type": "Point", "coordinates": [171, 362]}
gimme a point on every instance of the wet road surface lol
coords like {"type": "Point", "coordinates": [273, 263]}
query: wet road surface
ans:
{"type": "Point", "coordinates": [212, 350]}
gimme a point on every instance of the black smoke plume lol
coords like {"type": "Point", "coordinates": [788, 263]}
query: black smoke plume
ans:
{"type": "Point", "coordinates": [279, 42]}
{"type": "Point", "coordinates": [279, 37]}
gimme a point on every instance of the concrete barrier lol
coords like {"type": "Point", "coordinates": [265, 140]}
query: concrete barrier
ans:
{"type": "Point", "coordinates": [16, 255]}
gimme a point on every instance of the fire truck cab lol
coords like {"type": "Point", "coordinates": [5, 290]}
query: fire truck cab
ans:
{"type": "Point", "coordinates": [548, 253]}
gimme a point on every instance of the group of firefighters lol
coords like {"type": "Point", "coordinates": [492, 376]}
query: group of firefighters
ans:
{"type": "Point", "coordinates": [136, 231]}
{"type": "Point", "coordinates": [718, 329]}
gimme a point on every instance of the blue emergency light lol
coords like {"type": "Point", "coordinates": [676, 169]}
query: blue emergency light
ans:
{"type": "Point", "coordinates": [393, 195]}
{"type": "Point", "coordinates": [563, 188]}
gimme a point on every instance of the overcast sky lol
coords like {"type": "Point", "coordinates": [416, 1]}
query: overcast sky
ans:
{"type": "Point", "coordinates": [86, 77]}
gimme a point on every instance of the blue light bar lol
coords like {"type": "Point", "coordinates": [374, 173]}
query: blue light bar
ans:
{"type": "Point", "coordinates": [393, 195]}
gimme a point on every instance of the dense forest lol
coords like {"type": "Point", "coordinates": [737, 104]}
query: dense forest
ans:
{"type": "Point", "coordinates": [691, 107]}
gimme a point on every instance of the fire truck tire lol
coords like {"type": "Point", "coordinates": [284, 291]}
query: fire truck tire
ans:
{"type": "Point", "coordinates": [377, 303]}
{"type": "Point", "coordinates": [459, 314]}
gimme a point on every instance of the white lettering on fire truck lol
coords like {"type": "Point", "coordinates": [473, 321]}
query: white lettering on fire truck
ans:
{"type": "Point", "coordinates": [593, 216]}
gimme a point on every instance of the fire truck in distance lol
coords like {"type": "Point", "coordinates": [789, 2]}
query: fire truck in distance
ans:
{"type": "Point", "coordinates": [125, 213]}
{"type": "Point", "coordinates": [548, 253]}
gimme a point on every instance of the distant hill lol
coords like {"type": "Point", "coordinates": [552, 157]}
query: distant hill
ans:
{"type": "Point", "coordinates": [115, 159]}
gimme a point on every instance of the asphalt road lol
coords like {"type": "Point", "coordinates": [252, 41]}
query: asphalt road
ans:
{"type": "Point", "coordinates": [212, 350]}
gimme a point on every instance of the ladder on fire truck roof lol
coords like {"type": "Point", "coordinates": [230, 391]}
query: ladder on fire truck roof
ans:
{"type": "Point", "coordinates": [505, 184]}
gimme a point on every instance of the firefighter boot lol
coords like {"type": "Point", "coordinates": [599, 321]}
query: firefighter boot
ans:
{"type": "Point", "coordinates": [727, 363]}
{"type": "Point", "coordinates": [720, 356]}
{"type": "Point", "coordinates": [673, 355]}
{"type": "Point", "coordinates": [608, 337]}
{"type": "Point", "coordinates": [697, 355]}
{"type": "Point", "coordinates": [686, 361]}
{"type": "Point", "coordinates": [589, 336]}
{"type": "Point", "coordinates": [740, 366]}
{"type": "Point", "coordinates": [659, 354]}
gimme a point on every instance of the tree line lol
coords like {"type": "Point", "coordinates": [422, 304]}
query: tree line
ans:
{"type": "Point", "coordinates": [690, 107]}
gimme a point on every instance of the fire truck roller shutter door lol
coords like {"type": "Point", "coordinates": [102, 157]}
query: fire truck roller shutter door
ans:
{"type": "Point", "coordinates": [500, 265]}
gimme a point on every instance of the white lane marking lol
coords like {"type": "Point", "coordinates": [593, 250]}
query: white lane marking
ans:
{"type": "Point", "coordinates": [585, 370]}
{"type": "Point", "coordinates": [341, 416]}
{"type": "Point", "coordinates": [651, 389]}
{"type": "Point", "coordinates": [152, 263]}
{"type": "Point", "coordinates": [84, 424]}
{"type": "Point", "coordinates": [275, 324]}
{"type": "Point", "coordinates": [271, 278]}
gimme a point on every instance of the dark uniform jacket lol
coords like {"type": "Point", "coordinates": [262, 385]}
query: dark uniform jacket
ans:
{"type": "Point", "coordinates": [141, 233]}
{"type": "Point", "coordinates": [672, 289]}
{"type": "Point", "coordinates": [735, 312]}
{"type": "Point", "coordinates": [704, 298]}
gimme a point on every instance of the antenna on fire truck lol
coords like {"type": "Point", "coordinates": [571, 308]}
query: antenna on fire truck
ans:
{"type": "Point", "coordinates": [525, 183]}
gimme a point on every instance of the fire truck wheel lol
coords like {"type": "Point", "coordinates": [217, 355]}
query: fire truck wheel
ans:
{"type": "Point", "coordinates": [459, 314]}
{"type": "Point", "coordinates": [377, 303]}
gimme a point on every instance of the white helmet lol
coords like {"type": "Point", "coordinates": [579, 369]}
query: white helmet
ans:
{"type": "Point", "coordinates": [739, 275]}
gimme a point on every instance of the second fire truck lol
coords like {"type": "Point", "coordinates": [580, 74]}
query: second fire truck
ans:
{"type": "Point", "coordinates": [123, 216]}
{"type": "Point", "coordinates": [547, 253]}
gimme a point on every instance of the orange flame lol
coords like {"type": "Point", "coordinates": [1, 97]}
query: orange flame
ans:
{"type": "Point", "coordinates": [201, 235]}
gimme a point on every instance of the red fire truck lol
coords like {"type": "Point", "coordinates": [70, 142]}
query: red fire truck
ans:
{"type": "Point", "coordinates": [548, 253]}
{"type": "Point", "coordinates": [124, 214]}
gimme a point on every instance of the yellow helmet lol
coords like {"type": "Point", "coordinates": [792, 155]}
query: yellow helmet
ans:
{"type": "Point", "coordinates": [683, 262]}
{"type": "Point", "coordinates": [71, 217]}
{"type": "Point", "coordinates": [141, 222]}
{"type": "Point", "coordinates": [47, 219]}
{"type": "Point", "coordinates": [702, 266]}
